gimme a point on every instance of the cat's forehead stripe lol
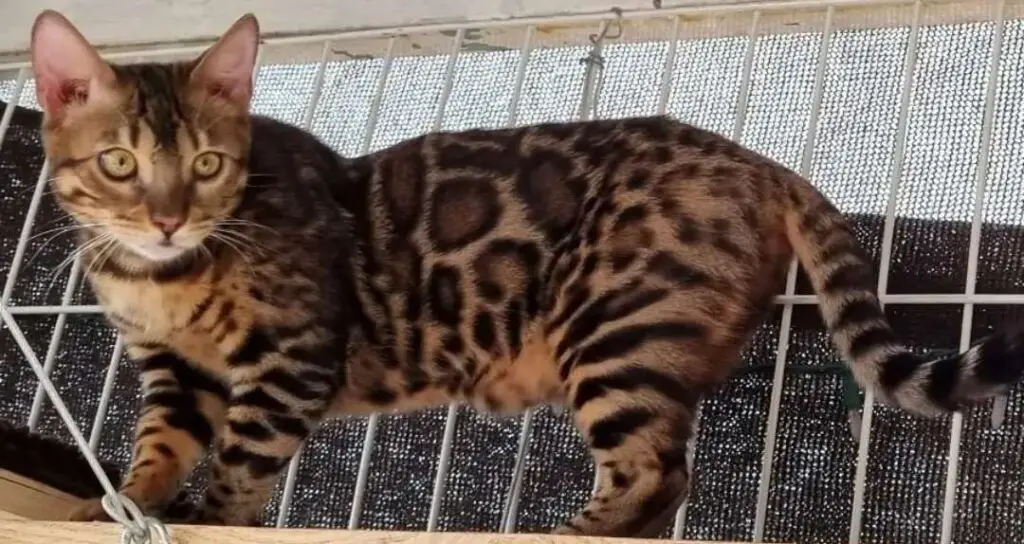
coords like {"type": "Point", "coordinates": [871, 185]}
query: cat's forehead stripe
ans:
{"type": "Point", "coordinates": [157, 102]}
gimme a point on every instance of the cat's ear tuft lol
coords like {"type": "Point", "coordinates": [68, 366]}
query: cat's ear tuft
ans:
{"type": "Point", "coordinates": [66, 68]}
{"type": "Point", "coordinates": [226, 68]}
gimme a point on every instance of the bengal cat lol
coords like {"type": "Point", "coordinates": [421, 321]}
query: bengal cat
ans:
{"type": "Point", "coordinates": [264, 283]}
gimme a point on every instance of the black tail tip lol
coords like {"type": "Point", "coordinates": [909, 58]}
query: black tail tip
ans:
{"type": "Point", "coordinates": [999, 358]}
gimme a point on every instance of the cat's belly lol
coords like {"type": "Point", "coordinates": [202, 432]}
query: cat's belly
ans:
{"type": "Point", "coordinates": [500, 385]}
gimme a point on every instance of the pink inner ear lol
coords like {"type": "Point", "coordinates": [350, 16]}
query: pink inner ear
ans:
{"type": "Point", "coordinates": [56, 94]}
{"type": "Point", "coordinates": [226, 69]}
{"type": "Point", "coordinates": [64, 64]}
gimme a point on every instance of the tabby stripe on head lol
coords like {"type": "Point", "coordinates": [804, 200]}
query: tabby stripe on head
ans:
{"type": "Point", "coordinates": [71, 163]}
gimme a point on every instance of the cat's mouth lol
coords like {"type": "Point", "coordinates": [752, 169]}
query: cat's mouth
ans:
{"type": "Point", "coordinates": [156, 249]}
{"type": "Point", "coordinates": [159, 251]}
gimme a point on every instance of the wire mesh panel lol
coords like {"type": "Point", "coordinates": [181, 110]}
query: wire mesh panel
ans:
{"type": "Point", "coordinates": [906, 115]}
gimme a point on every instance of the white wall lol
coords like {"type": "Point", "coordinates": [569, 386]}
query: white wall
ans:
{"type": "Point", "coordinates": [162, 21]}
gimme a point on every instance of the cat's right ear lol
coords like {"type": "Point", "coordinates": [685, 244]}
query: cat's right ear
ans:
{"type": "Point", "coordinates": [226, 68]}
{"type": "Point", "coordinates": [67, 69]}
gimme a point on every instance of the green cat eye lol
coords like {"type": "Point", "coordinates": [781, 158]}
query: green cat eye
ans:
{"type": "Point", "coordinates": [206, 165]}
{"type": "Point", "coordinates": [117, 163]}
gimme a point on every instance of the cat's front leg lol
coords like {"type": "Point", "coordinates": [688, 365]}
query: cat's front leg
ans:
{"type": "Point", "coordinates": [181, 408]}
{"type": "Point", "coordinates": [281, 388]}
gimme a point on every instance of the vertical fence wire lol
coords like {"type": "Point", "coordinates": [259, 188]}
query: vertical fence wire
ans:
{"type": "Point", "coordinates": [981, 181]}
{"type": "Point", "coordinates": [25, 235]}
{"type": "Point", "coordinates": [307, 124]}
{"type": "Point", "coordinates": [108, 389]}
{"type": "Point", "coordinates": [50, 359]}
{"type": "Point", "coordinates": [888, 234]}
{"type": "Point", "coordinates": [742, 100]}
{"type": "Point", "coordinates": [511, 509]}
{"type": "Point", "coordinates": [665, 89]}
{"type": "Point", "coordinates": [444, 457]}
{"type": "Point", "coordinates": [787, 312]}
{"type": "Point", "coordinates": [372, 422]}
{"type": "Point", "coordinates": [593, 75]}
{"type": "Point", "coordinates": [12, 104]}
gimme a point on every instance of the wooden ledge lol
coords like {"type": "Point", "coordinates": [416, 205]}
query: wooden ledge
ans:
{"type": "Point", "coordinates": [33, 513]}
{"type": "Point", "coordinates": [41, 532]}
{"type": "Point", "coordinates": [23, 498]}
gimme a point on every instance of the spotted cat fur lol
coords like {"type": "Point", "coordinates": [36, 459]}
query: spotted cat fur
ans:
{"type": "Point", "coordinates": [264, 283]}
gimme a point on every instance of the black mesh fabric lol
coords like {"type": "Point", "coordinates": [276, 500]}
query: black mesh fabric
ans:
{"type": "Point", "coordinates": [810, 497]}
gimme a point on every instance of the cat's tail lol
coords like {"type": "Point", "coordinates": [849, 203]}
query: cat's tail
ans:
{"type": "Point", "coordinates": [842, 276]}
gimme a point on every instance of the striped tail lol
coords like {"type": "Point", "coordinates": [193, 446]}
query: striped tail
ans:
{"type": "Point", "coordinates": [842, 277]}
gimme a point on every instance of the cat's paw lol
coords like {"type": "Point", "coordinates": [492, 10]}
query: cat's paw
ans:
{"type": "Point", "coordinates": [89, 510]}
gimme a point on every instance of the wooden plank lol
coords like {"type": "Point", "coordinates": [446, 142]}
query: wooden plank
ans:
{"type": "Point", "coordinates": [33, 513]}
{"type": "Point", "coordinates": [35, 532]}
{"type": "Point", "coordinates": [7, 516]}
{"type": "Point", "coordinates": [28, 499]}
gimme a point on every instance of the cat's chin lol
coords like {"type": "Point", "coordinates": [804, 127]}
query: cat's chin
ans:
{"type": "Point", "coordinates": [159, 253]}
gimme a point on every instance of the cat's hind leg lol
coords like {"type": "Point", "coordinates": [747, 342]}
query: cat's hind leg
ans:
{"type": "Point", "coordinates": [637, 418]}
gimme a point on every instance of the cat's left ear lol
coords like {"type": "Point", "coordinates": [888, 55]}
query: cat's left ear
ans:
{"type": "Point", "coordinates": [226, 68]}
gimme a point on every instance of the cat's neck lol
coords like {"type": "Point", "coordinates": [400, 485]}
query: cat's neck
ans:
{"type": "Point", "coordinates": [116, 260]}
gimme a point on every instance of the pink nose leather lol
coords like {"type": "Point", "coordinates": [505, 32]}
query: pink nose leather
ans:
{"type": "Point", "coordinates": [167, 225]}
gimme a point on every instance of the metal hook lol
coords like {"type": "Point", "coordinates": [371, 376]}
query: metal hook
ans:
{"type": "Point", "coordinates": [616, 22]}
{"type": "Point", "coordinates": [594, 57]}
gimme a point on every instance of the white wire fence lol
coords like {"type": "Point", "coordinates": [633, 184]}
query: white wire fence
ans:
{"type": "Point", "coordinates": [899, 110]}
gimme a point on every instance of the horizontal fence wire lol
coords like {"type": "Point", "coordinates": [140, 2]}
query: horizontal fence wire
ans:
{"type": "Point", "coordinates": [694, 9]}
{"type": "Point", "coordinates": [510, 510]}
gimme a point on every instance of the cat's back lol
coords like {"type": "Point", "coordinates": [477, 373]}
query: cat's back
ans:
{"type": "Point", "coordinates": [479, 243]}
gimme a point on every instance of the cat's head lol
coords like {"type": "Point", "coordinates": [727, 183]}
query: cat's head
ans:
{"type": "Point", "coordinates": [149, 158]}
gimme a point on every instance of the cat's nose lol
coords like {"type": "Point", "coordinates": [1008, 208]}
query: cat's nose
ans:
{"type": "Point", "coordinates": [167, 224]}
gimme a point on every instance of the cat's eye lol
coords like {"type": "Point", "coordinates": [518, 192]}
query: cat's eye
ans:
{"type": "Point", "coordinates": [206, 165]}
{"type": "Point", "coordinates": [118, 164]}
